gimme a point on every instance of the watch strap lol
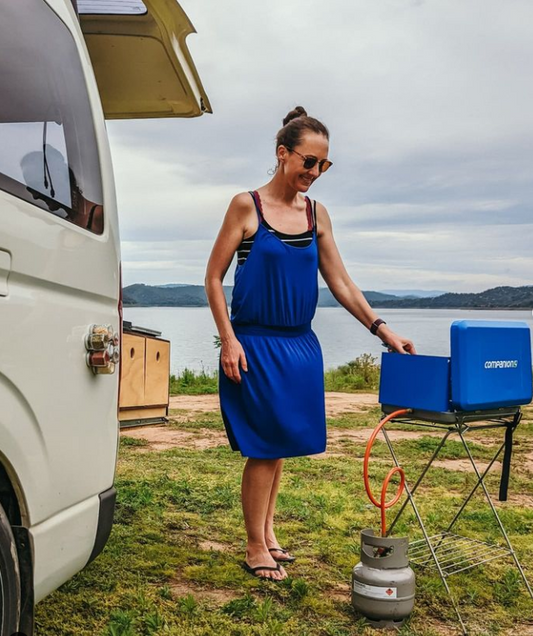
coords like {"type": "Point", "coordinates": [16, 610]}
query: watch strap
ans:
{"type": "Point", "coordinates": [375, 326]}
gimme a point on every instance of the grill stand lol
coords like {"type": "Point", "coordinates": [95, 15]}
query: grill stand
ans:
{"type": "Point", "coordinates": [448, 552]}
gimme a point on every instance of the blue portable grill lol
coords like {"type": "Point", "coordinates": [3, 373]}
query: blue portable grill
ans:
{"type": "Point", "coordinates": [480, 386]}
{"type": "Point", "coordinates": [489, 367]}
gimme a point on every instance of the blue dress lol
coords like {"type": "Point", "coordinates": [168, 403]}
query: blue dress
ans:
{"type": "Point", "coordinates": [278, 408]}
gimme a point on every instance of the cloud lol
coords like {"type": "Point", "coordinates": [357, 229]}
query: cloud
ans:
{"type": "Point", "coordinates": [428, 105]}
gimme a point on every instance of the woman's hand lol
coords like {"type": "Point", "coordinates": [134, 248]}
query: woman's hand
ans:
{"type": "Point", "coordinates": [395, 342]}
{"type": "Point", "coordinates": [232, 357]}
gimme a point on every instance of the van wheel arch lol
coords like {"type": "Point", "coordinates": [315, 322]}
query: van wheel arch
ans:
{"type": "Point", "coordinates": [10, 593]}
{"type": "Point", "coordinates": [11, 528]}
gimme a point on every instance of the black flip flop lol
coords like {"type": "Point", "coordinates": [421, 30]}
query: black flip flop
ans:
{"type": "Point", "coordinates": [253, 571]}
{"type": "Point", "coordinates": [291, 559]}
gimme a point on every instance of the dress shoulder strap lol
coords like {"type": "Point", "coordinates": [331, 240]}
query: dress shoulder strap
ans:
{"type": "Point", "coordinates": [315, 224]}
{"type": "Point", "coordinates": [311, 214]}
{"type": "Point", "coordinates": [257, 202]}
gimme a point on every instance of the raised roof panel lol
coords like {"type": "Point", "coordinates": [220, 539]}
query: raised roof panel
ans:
{"type": "Point", "coordinates": [140, 58]}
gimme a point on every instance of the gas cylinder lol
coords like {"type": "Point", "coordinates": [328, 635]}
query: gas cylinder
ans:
{"type": "Point", "coordinates": [383, 584]}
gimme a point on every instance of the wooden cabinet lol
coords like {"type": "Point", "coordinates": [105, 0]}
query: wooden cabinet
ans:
{"type": "Point", "coordinates": [157, 363]}
{"type": "Point", "coordinates": [144, 381]}
{"type": "Point", "coordinates": [132, 369]}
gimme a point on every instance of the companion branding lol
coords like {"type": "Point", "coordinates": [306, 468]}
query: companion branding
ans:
{"type": "Point", "coordinates": [501, 364]}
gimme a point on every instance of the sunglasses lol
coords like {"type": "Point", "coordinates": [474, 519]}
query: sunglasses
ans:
{"type": "Point", "coordinates": [310, 161]}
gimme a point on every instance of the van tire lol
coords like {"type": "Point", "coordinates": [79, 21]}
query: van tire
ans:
{"type": "Point", "coordinates": [9, 579]}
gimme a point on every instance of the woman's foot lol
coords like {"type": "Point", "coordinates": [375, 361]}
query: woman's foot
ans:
{"type": "Point", "coordinates": [281, 555]}
{"type": "Point", "coordinates": [278, 553]}
{"type": "Point", "coordinates": [255, 558]}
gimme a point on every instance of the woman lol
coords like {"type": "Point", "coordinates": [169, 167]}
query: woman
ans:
{"type": "Point", "coordinates": [272, 377]}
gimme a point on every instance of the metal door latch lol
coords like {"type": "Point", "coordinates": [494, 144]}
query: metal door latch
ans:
{"type": "Point", "coordinates": [103, 349]}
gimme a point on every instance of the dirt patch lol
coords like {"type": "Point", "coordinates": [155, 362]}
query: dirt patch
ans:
{"type": "Point", "coordinates": [195, 403]}
{"type": "Point", "coordinates": [441, 629]}
{"type": "Point", "coordinates": [327, 455]}
{"type": "Point", "coordinates": [182, 588]}
{"type": "Point", "coordinates": [340, 593]}
{"type": "Point", "coordinates": [528, 462]}
{"type": "Point", "coordinates": [363, 435]}
{"type": "Point", "coordinates": [523, 630]}
{"type": "Point", "coordinates": [214, 545]}
{"type": "Point", "coordinates": [465, 466]}
{"type": "Point", "coordinates": [162, 438]}
{"type": "Point", "coordinates": [525, 501]}
{"type": "Point", "coordinates": [336, 403]}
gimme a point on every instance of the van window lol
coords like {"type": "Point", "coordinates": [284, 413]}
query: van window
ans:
{"type": "Point", "coordinates": [48, 149]}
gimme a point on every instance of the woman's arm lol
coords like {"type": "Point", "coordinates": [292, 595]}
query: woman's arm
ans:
{"type": "Point", "coordinates": [236, 225]}
{"type": "Point", "coordinates": [345, 290]}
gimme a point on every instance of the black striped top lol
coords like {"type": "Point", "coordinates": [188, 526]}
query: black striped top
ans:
{"type": "Point", "coordinates": [296, 240]}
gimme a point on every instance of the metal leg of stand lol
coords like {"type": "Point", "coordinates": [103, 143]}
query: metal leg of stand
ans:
{"type": "Point", "coordinates": [495, 512]}
{"type": "Point", "coordinates": [474, 489]}
{"type": "Point", "coordinates": [419, 480]}
{"type": "Point", "coordinates": [423, 528]}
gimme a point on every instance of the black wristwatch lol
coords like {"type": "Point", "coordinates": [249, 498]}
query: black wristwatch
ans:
{"type": "Point", "coordinates": [375, 325]}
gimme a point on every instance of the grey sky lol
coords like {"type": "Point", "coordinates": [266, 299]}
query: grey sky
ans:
{"type": "Point", "coordinates": [429, 105]}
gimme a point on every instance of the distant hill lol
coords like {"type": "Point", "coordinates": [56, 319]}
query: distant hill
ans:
{"type": "Point", "coordinates": [140, 295]}
{"type": "Point", "coordinates": [326, 298]}
{"type": "Point", "coordinates": [175, 295]}
{"type": "Point", "coordinates": [413, 293]}
{"type": "Point", "coordinates": [496, 298]}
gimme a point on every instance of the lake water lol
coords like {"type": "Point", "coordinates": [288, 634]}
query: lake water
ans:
{"type": "Point", "coordinates": [191, 331]}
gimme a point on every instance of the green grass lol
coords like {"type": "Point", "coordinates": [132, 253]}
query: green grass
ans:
{"type": "Point", "coordinates": [172, 564]}
{"type": "Point", "coordinates": [132, 441]}
{"type": "Point", "coordinates": [194, 383]}
{"type": "Point", "coordinates": [199, 421]}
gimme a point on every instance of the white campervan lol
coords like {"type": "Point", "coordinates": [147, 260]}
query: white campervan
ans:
{"type": "Point", "coordinates": [64, 67]}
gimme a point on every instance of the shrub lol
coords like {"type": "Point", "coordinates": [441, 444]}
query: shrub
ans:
{"type": "Point", "coordinates": [194, 382]}
{"type": "Point", "coordinates": [361, 373]}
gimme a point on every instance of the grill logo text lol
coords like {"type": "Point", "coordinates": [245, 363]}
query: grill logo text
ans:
{"type": "Point", "coordinates": [501, 364]}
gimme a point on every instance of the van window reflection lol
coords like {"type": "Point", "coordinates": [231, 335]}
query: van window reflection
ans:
{"type": "Point", "coordinates": [48, 173]}
{"type": "Point", "coordinates": [48, 178]}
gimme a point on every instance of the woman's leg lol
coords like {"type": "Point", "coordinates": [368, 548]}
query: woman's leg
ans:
{"type": "Point", "coordinates": [257, 485]}
{"type": "Point", "coordinates": [270, 536]}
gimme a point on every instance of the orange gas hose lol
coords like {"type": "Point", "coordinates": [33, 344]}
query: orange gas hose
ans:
{"type": "Point", "coordinates": [382, 505]}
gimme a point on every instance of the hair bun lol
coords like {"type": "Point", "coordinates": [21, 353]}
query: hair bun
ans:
{"type": "Point", "coordinates": [299, 111]}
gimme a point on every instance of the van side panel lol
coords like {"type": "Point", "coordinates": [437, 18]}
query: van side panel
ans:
{"type": "Point", "coordinates": [68, 414]}
{"type": "Point", "coordinates": [56, 562]}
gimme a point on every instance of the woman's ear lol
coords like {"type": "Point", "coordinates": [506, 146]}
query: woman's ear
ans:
{"type": "Point", "coordinates": [282, 154]}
